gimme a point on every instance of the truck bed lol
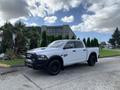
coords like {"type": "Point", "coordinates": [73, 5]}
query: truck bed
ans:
{"type": "Point", "coordinates": [92, 49]}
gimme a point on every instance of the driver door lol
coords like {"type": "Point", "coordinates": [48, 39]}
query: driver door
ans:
{"type": "Point", "coordinates": [69, 53]}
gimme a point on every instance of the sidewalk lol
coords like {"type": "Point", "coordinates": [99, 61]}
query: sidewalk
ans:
{"type": "Point", "coordinates": [4, 68]}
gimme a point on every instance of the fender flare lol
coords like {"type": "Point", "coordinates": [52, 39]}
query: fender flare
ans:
{"type": "Point", "coordinates": [57, 57]}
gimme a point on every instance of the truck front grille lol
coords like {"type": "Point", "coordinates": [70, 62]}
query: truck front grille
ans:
{"type": "Point", "coordinates": [33, 57]}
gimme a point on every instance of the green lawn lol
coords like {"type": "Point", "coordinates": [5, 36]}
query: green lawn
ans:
{"type": "Point", "coordinates": [13, 62]}
{"type": "Point", "coordinates": [109, 52]}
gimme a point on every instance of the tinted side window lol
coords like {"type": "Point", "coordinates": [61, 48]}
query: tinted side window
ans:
{"type": "Point", "coordinates": [69, 45]}
{"type": "Point", "coordinates": [78, 44]}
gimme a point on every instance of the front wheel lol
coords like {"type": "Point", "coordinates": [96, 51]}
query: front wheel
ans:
{"type": "Point", "coordinates": [54, 67]}
{"type": "Point", "coordinates": [92, 60]}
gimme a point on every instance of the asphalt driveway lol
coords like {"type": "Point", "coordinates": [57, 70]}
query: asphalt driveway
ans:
{"type": "Point", "coordinates": [104, 76]}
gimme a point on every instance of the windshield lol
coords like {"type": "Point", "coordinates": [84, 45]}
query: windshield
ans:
{"type": "Point", "coordinates": [56, 44]}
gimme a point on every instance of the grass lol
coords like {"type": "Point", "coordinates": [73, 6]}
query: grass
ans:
{"type": "Point", "coordinates": [12, 62]}
{"type": "Point", "coordinates": [109, 52]}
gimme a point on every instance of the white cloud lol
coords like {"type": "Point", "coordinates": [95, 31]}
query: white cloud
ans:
{"type": "Point", "coordinates": [14, 20]}
{"type": "Point", "coordinates": [13, 9]}
{"type": "Point", "coordinates": [56, 5]}
{"type": "Point", "coordinates": [106, 16]}
{"type": "Point", "coordinates": [68, 19]}
{"type": "Point", "coordinates": [50, 19]}
{"type": "Point", "coordinates": [43, 7]}
{"type": "Point", "coordinates": [36, 8]}
{"type": "Point", "coordinates": [1, 22]}
{"type": "Point", "coordinates": [31, 24]}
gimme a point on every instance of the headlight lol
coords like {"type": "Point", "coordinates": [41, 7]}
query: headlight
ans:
{"type": "Point", "coordinates": [42, 57]}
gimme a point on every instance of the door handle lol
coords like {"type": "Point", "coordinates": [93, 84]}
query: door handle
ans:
{"type": "Point", "coordinates": [84, 49]}
{"type": "Point", "coordinates": [74, 50]}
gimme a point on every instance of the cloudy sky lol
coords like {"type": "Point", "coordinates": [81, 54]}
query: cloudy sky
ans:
{"type": "Point", "coordinates": [87, 18]}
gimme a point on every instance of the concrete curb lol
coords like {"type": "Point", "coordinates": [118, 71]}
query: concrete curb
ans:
{"type": "Point", "coordinates": [17, 66]}
{"type": "Point", "coordinates": [4, 65]}
{"type": "Point", "coordinates": [110, 56]}
{"type": "Point", "coordinates": [8, 70]}
{"type": "Point", "coordinates": [12, 66]}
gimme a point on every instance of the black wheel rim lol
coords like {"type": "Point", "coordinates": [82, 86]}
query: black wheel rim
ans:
{"type": "Point", "coordinates": [93, 60]}
{"type": "Point", "coordinates": [55, 67]}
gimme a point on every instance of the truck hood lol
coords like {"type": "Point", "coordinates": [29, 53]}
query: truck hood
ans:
{"type": "Point", "coordinates": [43, 50]}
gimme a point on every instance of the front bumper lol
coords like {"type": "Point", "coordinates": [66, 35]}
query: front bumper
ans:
{"type": "Point", "coordinates": [33, 62]}
{"type": "Point", "coordinates": [37, 64]}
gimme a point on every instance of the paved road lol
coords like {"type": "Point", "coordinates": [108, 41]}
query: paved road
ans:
{"type": "Point", "coordinates": [104, 76]}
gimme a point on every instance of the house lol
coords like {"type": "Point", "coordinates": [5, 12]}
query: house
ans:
{"type": "Point", "coordinates": [63, 30]}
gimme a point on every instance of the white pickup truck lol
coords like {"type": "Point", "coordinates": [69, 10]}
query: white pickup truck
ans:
{"type": "Point", "coordinates": [61, 53]}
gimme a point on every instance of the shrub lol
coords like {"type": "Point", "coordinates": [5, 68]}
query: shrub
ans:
{"type": "Point", "coordinates": [10, 54]}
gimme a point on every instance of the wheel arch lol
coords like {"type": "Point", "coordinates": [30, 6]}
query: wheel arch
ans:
{"type": "Point", "coordinates": [58, 58]}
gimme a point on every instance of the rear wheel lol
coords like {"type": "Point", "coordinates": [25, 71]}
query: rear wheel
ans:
{"type": "Point", "coordinates": [92, 60]}
{"type": "Point", "coordinates": [54, 67]}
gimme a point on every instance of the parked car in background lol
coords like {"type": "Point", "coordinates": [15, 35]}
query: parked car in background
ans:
{"type": "Point", "coordinates": [4, 57]}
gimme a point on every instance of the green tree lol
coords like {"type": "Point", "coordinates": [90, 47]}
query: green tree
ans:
{"type": "Point", "coordinates": [66, 37]}
{"type": "Point", "coordinates": [59, 37]}
{"type": "Point", "coordinates": [84, 40]}
{"type": "Point", "coordinates": [20, 26]}
{"type": "Point", "coordinates": [20, 43]}
{"type": "Point", "coordinates": [115, 40]}
{"type": "Point", "coordinates": [50, 38]}
{"type": "Point", "coordinates": [112, 41]}
{"type": "Point", "coordinates": [78, 38]}
{"type": "Point", "coordinates": [7, 39]}
{"type": "Point", "coordinates": [34, 39]}
{"type": "Point", "coordinates": [92, 43]}
{"type": "Point", "coordinates": [73, 37]}
{"type": "Point", "coordinates": [96, 43]}
{"type": "Point", "coordinates": [44, 39]}
{"type": "Point", "coordinates": [21, 37]}
{"type": "Point", "coordinates": [88, 42]}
